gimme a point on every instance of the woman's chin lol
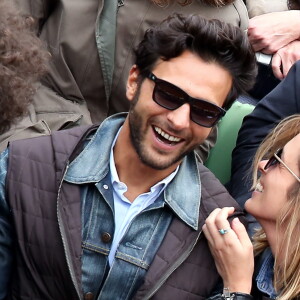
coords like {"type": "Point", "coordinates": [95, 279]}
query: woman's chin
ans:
{"type": "Point", "coordinates": [248, 205]}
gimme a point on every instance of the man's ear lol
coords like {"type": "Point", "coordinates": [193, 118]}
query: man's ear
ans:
{"type": "Point", "coordinates": [132, 82]}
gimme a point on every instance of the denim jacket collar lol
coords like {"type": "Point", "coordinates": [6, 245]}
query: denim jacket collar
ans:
{"type": "Point", "coordinates": [265, 275]}
{"type": "Point", "coordinates": [92, 164]}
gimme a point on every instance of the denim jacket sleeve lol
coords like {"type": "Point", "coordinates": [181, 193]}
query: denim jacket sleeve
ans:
{"type": "Point", "coordinates": [6, 238]}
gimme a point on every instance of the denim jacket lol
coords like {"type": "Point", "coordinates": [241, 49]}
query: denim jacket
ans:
{"type": "Point", "coordinates": [136, 250]}
{"type": "Point", "coordinates": [264, 278]}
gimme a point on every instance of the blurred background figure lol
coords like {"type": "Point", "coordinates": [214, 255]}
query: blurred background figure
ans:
{"type": "Point", "coordinates": [260, 7]}
{"type": "Point", "coordinates": [274, 32]}
{"type": "Point", "coordinates": [23, 60]}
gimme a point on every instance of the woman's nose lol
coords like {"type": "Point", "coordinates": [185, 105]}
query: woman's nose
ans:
{"type": "Point", "coordinates": [261, 165]}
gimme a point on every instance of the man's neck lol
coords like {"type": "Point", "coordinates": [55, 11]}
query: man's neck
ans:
{"type": "Point", "coordinates": [137, 176]}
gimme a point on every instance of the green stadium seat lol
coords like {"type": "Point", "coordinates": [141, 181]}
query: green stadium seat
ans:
{"type": "Point", "coordinates": [219, 160]}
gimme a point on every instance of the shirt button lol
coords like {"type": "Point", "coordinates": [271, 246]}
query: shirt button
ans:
{"type": "Point", "coordinates": [89, 296]}
{"type": "Point", "coordinates": [105, 186]}
{"type": "Point", "coordinates": [105, 237]}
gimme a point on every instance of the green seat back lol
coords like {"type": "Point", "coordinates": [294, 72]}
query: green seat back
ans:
{"type": "Point", "coordinates": [219, 160]}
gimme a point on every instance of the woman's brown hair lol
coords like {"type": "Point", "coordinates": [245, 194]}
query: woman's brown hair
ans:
{"type": "Point", "coordinates": [286, 270]}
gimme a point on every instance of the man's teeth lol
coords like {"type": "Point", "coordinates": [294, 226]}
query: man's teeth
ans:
{"type": "Point", "coordinates": [259, 187]}
{"type": "Point", "coordinates": [167, 136]}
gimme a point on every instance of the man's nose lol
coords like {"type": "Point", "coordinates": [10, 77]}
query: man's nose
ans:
{"type": "Point", "coordinates": [180, 117]}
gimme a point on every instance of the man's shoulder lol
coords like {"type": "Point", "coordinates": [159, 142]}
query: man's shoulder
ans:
{"type": "Point", "coordinates": [210, 184]}
{"type": "Point", "coordinates": [55, 149]}
{"type": "Point", "coordinates": [213, 193]}
{"type": "Point", "coordinates": [56, 138]}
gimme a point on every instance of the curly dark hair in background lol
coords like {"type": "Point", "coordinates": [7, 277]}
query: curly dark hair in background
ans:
{"type": "Point", "coordinates": [23, 60]}
{"type": "Point", "coordinates": [212, 40]}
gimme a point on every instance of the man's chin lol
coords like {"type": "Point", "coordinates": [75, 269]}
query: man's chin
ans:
{"type": "Point", "coordinates": [161, 164]}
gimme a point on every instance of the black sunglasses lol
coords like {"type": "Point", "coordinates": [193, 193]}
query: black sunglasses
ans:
{"type": "Point", "coordinates": [273, 160]}
{"type": "Point", "coordinates": [276, 159]}
{"type": "Point", "coordinates": [172, 97]}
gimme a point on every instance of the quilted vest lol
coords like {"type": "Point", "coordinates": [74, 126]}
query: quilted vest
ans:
{"type": "Point", "coordinates": [46, 216]}
{"type": "Point", "coordinates": [46, 268]}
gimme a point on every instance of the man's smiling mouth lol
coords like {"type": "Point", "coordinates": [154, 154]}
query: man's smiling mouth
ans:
{"type": "Point", "coordinates": [165, 137]}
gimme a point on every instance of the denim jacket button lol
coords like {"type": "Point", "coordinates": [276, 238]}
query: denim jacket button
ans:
{"type": "Point", "coordinates": [105, 237]}
{"type": "Point", "coordinates": [89, 296]}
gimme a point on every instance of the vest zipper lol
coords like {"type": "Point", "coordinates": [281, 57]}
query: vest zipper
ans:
{"type": "Point", "coordinates": [63, 237]}
{"type": "Point", "coordinates": [174, 266]}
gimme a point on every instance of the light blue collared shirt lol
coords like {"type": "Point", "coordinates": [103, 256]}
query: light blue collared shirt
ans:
{"type": "Point", "coordinates": [125, 210]}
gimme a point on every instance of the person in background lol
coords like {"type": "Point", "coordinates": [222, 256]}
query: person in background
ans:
{"type": "Point", "coordinates": [277, 33]}
{"type": "Point", "coordinates": [274, 34]}
{"type": "Point", "coordinates": [280, 103]}
{"type": "Point", "coordinates": [260, 7]}
{"type": "Point", "coordinates": [23, 60]}
{"type": "Point", "coordinates": [91, 57]}
{"type": "Point", "coordinates": [275, 203]}
{"type": "Point", "coordinates": [116, 212]}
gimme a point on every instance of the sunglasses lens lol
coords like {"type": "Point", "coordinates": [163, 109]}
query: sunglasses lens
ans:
{"type": "Point", "coordinates": [171, 97]}
{"type": "Point", "coordinates": [168, 96]}
{"type": "Point", "coordinates": [205, 113]}
{"type": "Point", "coordinates": [273, 161]}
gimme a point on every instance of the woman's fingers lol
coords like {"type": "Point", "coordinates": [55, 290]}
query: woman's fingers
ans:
{"type": "Point", "coordinates": [217, 224]}
{"type": "Point", "coordinates": [218, 230]}
{"type": "Point", "coordinates": [231, 248]}
{"type": "Point", "coordinates": [241, 232]}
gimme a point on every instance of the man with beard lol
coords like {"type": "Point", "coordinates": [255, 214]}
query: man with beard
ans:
{"type": "Point", "coordinates": [116, 212]}
{"type": "Point", "coordinates": [91, 45]}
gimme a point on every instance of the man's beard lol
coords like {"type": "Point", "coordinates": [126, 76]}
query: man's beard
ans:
{"type": "Point", "coordinates": [137, 136]}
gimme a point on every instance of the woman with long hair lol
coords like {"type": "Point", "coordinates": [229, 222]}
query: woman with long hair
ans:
{"type": "Point", "coordinates": [275, 203]}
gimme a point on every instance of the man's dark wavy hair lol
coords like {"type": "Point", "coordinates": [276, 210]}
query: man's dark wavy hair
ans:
{"type": "Point", "coordinates": [213, 40]}
{"type": "Point", "coordinates": [23, 60]}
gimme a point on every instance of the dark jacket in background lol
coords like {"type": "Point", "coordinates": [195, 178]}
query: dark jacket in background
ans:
{"type": "Point", "coordinates": [283, 101]}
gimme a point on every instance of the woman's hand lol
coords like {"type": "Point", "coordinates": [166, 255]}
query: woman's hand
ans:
{"type": "Point", "coordinates": [232, 251]}
{"type": "Point", "coordinates": [270, 32]}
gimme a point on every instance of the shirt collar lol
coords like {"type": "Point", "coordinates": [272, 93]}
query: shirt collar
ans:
{"type": "Point", "coordinates": [157, 188]}
{"type": "Point", "coordinates": [182, 194]}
